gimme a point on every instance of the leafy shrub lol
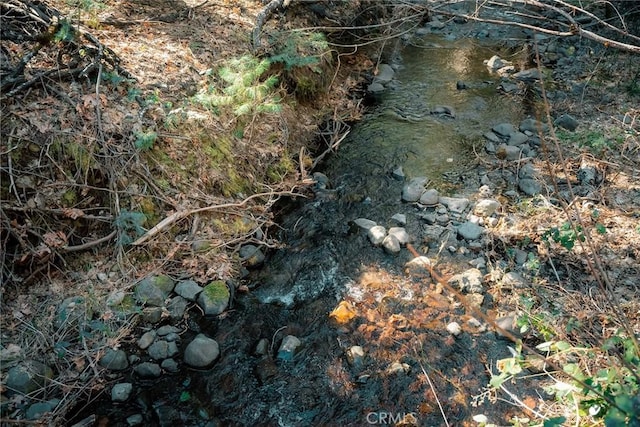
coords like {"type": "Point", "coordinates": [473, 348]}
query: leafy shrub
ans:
{"type": "Point", "coordinates": [302, 56]}
{"type": "Point", "coordinates": [244, 91]}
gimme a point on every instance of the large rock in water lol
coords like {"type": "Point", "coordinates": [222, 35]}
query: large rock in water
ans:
{"type": "Point", "coordinates": [412, 190]}
{"type": "Point", "coordinates": [201, 352]}
{"type": "Point", "coordinates": [385, 74]}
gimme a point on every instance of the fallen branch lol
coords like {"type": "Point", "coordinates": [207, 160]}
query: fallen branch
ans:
{"type": "Point", "coordinates": [262, 18]}
{"type": "Point", "coordinates": [177, 216]}
{"type": "Point", "coordinates": [572, 25]}
{"type": "Point", "coordinates": [90, 244]}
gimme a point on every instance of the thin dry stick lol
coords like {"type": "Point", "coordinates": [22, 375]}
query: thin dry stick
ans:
{"type": "Point", "coordinates": [521, 403]}
{"type": "Point", "coordinates": [574, 29]}
{"type": "Point", "coordinates": [177, 216]}
{"type": "Point", "coordinates": [594, 264]}
{"type": "Point", "coordinates": [90, 244]}
{"type": "Point", "coordinates": [435, 394]}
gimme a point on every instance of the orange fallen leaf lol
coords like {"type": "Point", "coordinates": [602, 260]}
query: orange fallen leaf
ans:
{"type": "Point", "coordinates": [343, 313]}
{"type": "Point", "coordinates": [530, 402]}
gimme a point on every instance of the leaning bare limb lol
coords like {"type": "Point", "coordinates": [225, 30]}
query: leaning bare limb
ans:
{"type": "Point", "coordinates": [567, 22]}
{"type": "Point", "coordinates": [262, 18]}
{"type": "Point", "coordinates": [177, 216]}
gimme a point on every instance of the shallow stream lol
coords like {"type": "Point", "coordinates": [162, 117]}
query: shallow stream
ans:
{"type": "Point", "coordinates": [410, 362]}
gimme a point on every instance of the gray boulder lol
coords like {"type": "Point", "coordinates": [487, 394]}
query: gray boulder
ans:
{"type": "Point", "coordinates": [288, 348]}
{"type": "Point", "coordinates": [486, 207]}
{"type": "Point", "coordinates": [251, 255]}
{"type": "Point", "coordinates": [529, 186]}
{"type": "Point", "coordinates": [121, 392]}
{"type": "Point", "coordinates": [148, 370]}
{"type": "Point", "coordinates": [37, 410]}
{"type": "Point", "coordinates": [201, 352]}
{"type": "Point", "coordinates": [28, 376]}
{"type": "Point", "coordinates": [504, 129]}
{"type": "Point", "coordinates": [470, 231]}
{"type": "Point", "coordinates": [429, 197]}
{"type": "Point", "coordinates": [455, 204]}
{"type": "Point", "coordinates": [391, 244]}
{"type": "Point", "coordinates": [567, 122]}
{"type": "Point", "coordinates": [469, 281]}
{"type": "Point", "coordinates": [412, 190]}
{"type": "Point", "coordinates": [114, 360]}
{"type": "Point", "coordinates": [385, 74]}
{"type": "Point", "coordinates": [154, 290]}
{"type": "Point", "coordinates": [376, 234]}
{"type": "Point", "coordinates": [188, 289]}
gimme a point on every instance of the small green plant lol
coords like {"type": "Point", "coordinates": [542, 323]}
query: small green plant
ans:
{"type": "Point", "coordinates": [89, 7]}
{"type": "Point", "coordinates": [566, 235]}
{"type": "Point", "coordinates": [594, 140]}
{"type": "Point", "coordinates": [113, 77]}
{"type": "Point", "coordinates": [302, 55]}
{"type": "Point", "coordinates": [64, 32]}
{"type": "Point", "coordinates": [610, 395]}
{"type": "Point", "coordinates": [244, 91]}
{"type": "Point", "coordinates": [302, 49]}
{"type": "Point", "coordinates": [145, 140]}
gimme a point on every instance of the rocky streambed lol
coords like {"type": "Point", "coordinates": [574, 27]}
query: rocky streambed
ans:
{"type": "Point", "coordinates": [344, 325]}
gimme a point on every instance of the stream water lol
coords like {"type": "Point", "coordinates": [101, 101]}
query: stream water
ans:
{"type": "Point", "coordinates": [410, 363]}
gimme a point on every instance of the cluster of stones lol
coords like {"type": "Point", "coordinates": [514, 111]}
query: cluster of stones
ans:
{"type": "Point", "coordinates": [392, 239]}
{"type": "Point", "coordinates": [458, 223]}
{"type": "Point", "coordinates": [160, 349]}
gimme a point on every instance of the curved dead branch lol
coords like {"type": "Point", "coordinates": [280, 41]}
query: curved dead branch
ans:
{"type": "Point", "coordinates": [177, 216]}
{"type": "Point", "coordinates": [534, 15]}
{"type": "Point", "coordinates": [264, 14]}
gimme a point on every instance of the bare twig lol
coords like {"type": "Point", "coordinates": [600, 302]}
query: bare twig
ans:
{"type": "Point", "coordinates": [435, 394]}
{"type": "Point", "coordinates": [177, 216]}
{"type": "Point", "coordinates": [90, 244]}
{"type": "Point", "coordinates": [264, 14]}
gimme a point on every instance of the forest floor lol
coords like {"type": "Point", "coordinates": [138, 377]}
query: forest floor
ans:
{"type": "Point", "coordinates": [186, 128]}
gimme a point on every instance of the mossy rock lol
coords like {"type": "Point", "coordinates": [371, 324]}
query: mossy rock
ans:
{"type": "Point", "coordinates": [28, 377]}
{"type": "Point", "coordinates": [154, 290]}
{"type": "Point", "coordinates": [214, 298]}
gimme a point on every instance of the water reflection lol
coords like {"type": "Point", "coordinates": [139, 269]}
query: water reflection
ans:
{"type": "Point", "coordinates": [430, 147]}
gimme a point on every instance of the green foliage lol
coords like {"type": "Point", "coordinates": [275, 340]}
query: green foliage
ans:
{"type": "Point", "coordinates": [87, 5]}
{"type": "Point", "coordinates": [594, 140]}
{"type": "Point", "coordinates": [244, 91]}
{"type": "Point", "coordinates": [64, 32]}
{"type": "Point", "coordinates": [113, 77]}
{"type": "Point", "coordinates": [89, 8]}
{"type": "Point", "coordinates": [185, 396]}
{"type": "Point", "coordinates": [610, 394]}
{"type": "Point", "coordinates": [600, 228]}
{"type": "Point", "coordinates": [302, 49]}
{"type": "Point", "coordinates": [302, 55]}
{"type": "Point", "coordinates": [566, 235]}
{"type": "Point", "coordinates": [145, 140]}
{"type": "Point", "coordinates": [130, 226]}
